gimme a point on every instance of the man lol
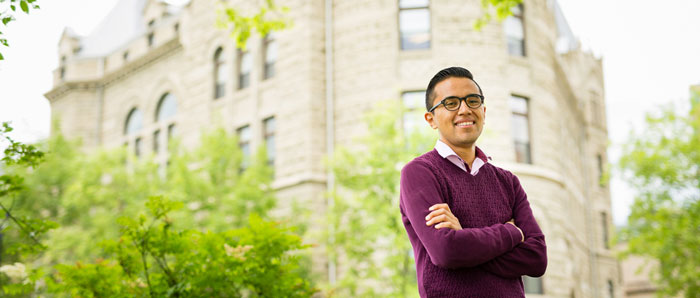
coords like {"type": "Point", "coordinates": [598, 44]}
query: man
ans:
{"type": "Point", "coordinates": [470, 224]}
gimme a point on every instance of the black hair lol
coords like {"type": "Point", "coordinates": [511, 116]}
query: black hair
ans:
{"type": "Point", "coordinates": [450, 72]}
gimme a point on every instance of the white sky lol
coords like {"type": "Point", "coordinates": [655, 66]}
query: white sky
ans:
{"type": "Point", "coordinates": [650, 50]}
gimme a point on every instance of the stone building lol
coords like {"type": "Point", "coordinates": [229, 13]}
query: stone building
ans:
{"type": "Point", "coordinates": [152, 70]}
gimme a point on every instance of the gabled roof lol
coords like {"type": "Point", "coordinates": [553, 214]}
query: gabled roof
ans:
{"type": "Point", "coordinates": [123, 24]}
{"type": "Point", "coordinates": [566, 40]}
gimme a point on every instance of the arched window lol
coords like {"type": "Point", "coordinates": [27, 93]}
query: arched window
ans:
{"type": "Point", "coordinates": [220, 73]}
{"type": "Point", "coordinates": [134, 123]}
{"type": "Point", "coordinates": [167, 107]}
{"type": "Point", "coordinates": [165, 125]}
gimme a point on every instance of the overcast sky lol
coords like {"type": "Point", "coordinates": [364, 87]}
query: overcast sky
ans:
{"type": "Point", "coordinates": [650, 51]}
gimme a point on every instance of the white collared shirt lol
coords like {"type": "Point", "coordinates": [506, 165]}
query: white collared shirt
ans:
{"type": "Point", "coordinates": [447, 152]}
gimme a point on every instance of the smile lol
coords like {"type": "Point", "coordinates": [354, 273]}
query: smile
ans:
{"type": "Point", "coordinates": [465, 123]}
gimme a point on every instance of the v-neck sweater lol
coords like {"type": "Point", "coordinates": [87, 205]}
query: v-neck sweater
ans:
{"type": "Point", "coordinates": [484, 259]}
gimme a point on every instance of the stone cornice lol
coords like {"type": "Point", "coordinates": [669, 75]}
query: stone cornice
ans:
{"type": "Point", "coordinates": [161, 52]}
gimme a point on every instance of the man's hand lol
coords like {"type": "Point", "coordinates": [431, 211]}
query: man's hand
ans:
{"type": "Point", "coordinates": [442, 217]}
{"type": "Point", "coordinates": [512, 222]}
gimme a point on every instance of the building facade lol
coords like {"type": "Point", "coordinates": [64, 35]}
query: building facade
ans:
{"type": "Point", "coordinates": [152, 70]}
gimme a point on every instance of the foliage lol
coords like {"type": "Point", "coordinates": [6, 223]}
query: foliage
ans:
{"type": "Point", "coordinates": [663, 164]}
{"type": "Point", "coordinates": [241, 26]}
{"type": "Point", "coordinates": [153, 258]}
{"type": "Point", "coordinates": [369, 237]}
{"type": "Point", "coordinates": [7, 16]}
{"type": "Point", "coordinates": [500, 8]}
{"type": "Point", "coordinates": [20, 232]}
{"type": "Point", "coordinates": [88, 193]}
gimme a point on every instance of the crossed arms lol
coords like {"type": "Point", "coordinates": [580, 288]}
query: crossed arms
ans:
{"type": "Point", "coordinates": [509, 250]}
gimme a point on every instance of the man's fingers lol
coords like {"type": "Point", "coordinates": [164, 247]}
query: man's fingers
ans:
{"type": "Point", "coordinates": [435, 213]}
{"type": "Point", "coordinates": [437, 219]}
{"type": "Point", "coordinates": [441, 225]}
{"type": "Point", "coordinates": [436, 206]}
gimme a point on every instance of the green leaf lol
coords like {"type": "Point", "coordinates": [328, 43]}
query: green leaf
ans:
{"type": "Point", "coordinates": [6, 20]}
{"type": "Point", "coordinates": [12, 7]}
{"type": "Point", "coordinates": [1, 57]}
{"type": "Point", "coordinates": [24, 6]}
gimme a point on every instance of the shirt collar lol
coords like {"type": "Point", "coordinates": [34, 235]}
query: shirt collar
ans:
{"type": "Point", "coordinates": [446, 152]}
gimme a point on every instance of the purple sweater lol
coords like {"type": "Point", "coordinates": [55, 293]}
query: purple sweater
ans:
{"type": "Point", "coordinates": [485, 258]}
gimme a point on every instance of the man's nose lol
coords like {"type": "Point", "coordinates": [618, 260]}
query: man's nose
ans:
{"type": "Point", "coordinates": [463, 108]}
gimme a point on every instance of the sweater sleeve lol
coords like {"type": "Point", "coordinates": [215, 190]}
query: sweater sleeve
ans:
{"type": "Point", "coordinates": [528, 257]}
{"type": "Point", "coordinates": [448, 248]}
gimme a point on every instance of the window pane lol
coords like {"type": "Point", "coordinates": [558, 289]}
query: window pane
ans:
{"type": "Point", "coordinates": [271, 51]}
{"type": "Point", "coordinates": [246, 63]}
{"type": "Point", "coordinates": [413, 102]}
{"type": "Point", "coordinates": [134, 122]}
{"type": "Point", "coordinates": [522, 152]}
{"type": "Point", "coordinates": [415, 28]}
{"type": "Point", "coordinates": [156, 141]}
{"type": "Point", "coordinates": [518, 104]}
{"type": "Point", "coordinates": [515, 35]}
{"type": "Point", "coordinates": [270, 58]}
{"type": "Point", "coordinates": [137, 147]}
{"type": "Point", "coordinates": [412, 3]}
{"type": "Point", "coordinates": [270, 143]}
{"type": "Point", "coordinates": [532, 285]}
{"type": "Point", "coordinates": [270, 125]}
{"type": "Point", "coordinates": [521, 129]}
{"type": "Point", "coordinates": [167, 107]}
{"type": "Point", "coordinates": [413, 99]}
{"type": "Point", "coordinates": [244, 134]}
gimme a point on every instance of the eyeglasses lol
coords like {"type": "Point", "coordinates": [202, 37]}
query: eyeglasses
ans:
{"type": "Point", "coordinates": [453, 103]}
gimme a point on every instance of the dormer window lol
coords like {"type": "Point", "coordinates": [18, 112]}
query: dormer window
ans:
{"type": "Point", "coordinates": [150, 39]}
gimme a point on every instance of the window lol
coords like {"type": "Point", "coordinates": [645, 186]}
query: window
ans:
{"type": "Point", "coordinates": [165, 111]}
{"type": "Point", "coordinates": [270, 50]}
{"type": "Point", "coordinates": [220, 74]}
{"type": "Point", "coordinates": [62, 70]}
{"type": "Point", "coordinates": [532, 285]}
{"type": "Point", "coordinates": [515, 32]}
{"type": "Point", "coordinates": [611, 289]}
{"type": "Point", "coordinates": [599, 159]}
{"type": "Point", "coordinates": [269, 135]}
{"type": "Point", "coordinates": [150, 39]}
{"type": "Point", "coordinates": [245, 65]}
{"type": "Point", "coordinates": [244, 143]}
{"type": "Point", "coordinates": [414, 24]}
{"type": "Point", "coordinates": [172, 131]}
{"type": "Point", "coordinates": [604, 226]}
{"type": "Point", "coordinates": [156, 141]}
{"type": "Point", "coordinates": [125, 55]}
{"type": "Point", "coordinates": [134, 122]}
{"type": "Point", "coordinates": [413, 102]}
{"type": "Point", "coordinates": [137, 147]}
{"type": "Point", "coordinates": [521, 129]}
{"type": "Point", "coordinates": [176, 27]}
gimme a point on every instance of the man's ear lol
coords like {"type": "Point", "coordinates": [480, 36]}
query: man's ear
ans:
{"type": "Point", "coordinates": [430, 118]}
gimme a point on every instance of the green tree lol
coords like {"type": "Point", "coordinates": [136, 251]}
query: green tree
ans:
{"type": "Point", "coordinates": [153, 258]}
{"type": "Point", "coordinates": [7, 11]}
{"type": "Point", "coordinates": [663, 165]}
{"type": "Point", "coordinates": [374, 255]}
{"type": "Point", "coordinates": [20, 232]}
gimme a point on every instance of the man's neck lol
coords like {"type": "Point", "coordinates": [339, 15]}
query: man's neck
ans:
{"type": "Point", "coordinates": [468, 154]}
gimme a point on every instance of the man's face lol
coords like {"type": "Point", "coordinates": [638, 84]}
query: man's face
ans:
{"type": "Point", "coordinates": [458, 128]}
